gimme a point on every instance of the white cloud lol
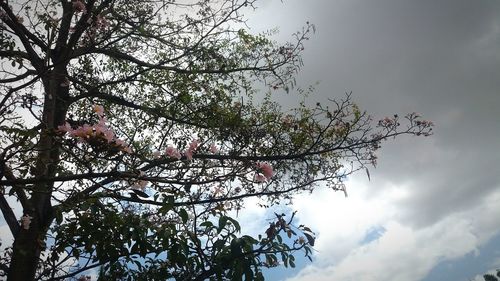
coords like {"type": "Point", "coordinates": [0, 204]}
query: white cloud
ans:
{"type": "Point", "coordinates": [5, 237]}
{"type": "Point", "coordinates": [403, 252]}
{"type": "Point", "coordinates": [252, 218]}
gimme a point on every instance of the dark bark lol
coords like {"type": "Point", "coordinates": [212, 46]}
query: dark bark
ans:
{"type": "Point", "coordinates": [29, 241]}
{"type": "Point", "coordinates": [9, 216]}
{"type": "Point", "coordinates": [26, 252]}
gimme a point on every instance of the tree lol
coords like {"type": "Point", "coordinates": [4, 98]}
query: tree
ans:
{"type": "Point", "coordinates": [491, 277]}
{"type": "Point", "coordinates": [128, 134]}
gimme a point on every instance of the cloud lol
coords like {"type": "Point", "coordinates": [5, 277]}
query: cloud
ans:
{"type": "Point", "coordinates": [436, 198]}
{"type": "Point", "coordinates": [252, 218]}
{"type": "Point", "coordinates": [5, 237]}
{"type": "Point", "coordinates": [402, 252]}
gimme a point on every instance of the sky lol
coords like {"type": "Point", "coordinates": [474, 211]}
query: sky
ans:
{"type": "Point", "coordinates": [431, 210]}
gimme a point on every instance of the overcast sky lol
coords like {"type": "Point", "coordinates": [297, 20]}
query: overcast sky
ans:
{"type": "Point", "coordinates": [432, 208]}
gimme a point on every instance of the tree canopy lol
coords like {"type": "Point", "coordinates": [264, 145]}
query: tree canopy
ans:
{"type": "Point", "coordinates": [129, 134]}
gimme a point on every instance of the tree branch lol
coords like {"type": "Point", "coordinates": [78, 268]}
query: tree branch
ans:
{"type": "Point", "coordinates": [9, 216]}
{"type": "Point", "coordinates": [216, 200]}
{"type": "Point", "coordinates": [18, 77]}
{"type": "Point", "coordinates": [24, 36]}
{"type": "Point", "coordinates": [161, 65]}
{"type": "Point", "coordinates": [13, 54]}
{"type": "Point", "coordinates": [19, 190]}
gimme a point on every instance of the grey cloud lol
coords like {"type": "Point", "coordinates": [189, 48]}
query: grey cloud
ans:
{"type": "Point", "coordinates": [439, 58]}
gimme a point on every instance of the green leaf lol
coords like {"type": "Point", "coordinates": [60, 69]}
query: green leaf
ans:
{"type": "Point", "coordinates": [235, 223]}
{"type": "Point", "coordinates": [134, 248]}
{"type": "Point", "coordinates": [280, 240]}
{"type": "Point", "coordinates": [168, 202]}
{"type": "Point", "coordinates": [310, 238]}
{"type": "Point", "coordinates": [207, 224]}
{"type": "Point", "coordinates": [222, 223]}
{"type": "Point", "coordinates": [218, 245]}
{"type": "Point", "coordinates": [59, 216]}
{"type": "Point", "coordinates": [185, 98]}
{"type": "Point", "coordinates": [184, 215]}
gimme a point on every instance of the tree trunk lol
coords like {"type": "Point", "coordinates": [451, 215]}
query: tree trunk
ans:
{"type": "Point", "coordinates": [30, 240]}
{"type": "Point", "coordinates": [26, 252]}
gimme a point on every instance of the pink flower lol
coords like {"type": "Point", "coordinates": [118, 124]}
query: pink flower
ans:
{"type": "Point", "coordinates": [100, 129]}
{"type": "Point", "coordinates": [140, 185]}
{"type": "Point", "coordinates": [64, 128]}
{"type": "Point", "coordinates": [88, 130]}
{"type": "Point", "coordinates": [260, 178]}
{"type": "Point", "coordinates": [101, 22]}
{"type": "Point", "coordinates": [266, 169]}
{"type": "Point", "coordinates": [194, 145]}
{"type": "Point", "coordinates": [26, 221]}
{"type": "Point", "coordinates": [120, 142]}
{"type": "Point", "coordinates": [301, 240]}
{"type": "Point", "coordinates": [218, 191]}
{"type": "Point", "coordinates": [123, 146]}
{"type": "Point", "coordinates": [99, 110]}
{"type": "Point", "coordinates": [109, 135]}
{"type": "Point", "coordinates": [170, 151]}
{"type": "Point", "coordinates": [189, 154]}
{"type": "Point", "coordinates": [173, 152]}
{"type": "Point", "coordinates": [213, 148]}
{"type": "Point", "coordinates": [79, 6]}
{"type": "Point", "coordinates": [287, 120]}
{"type": "Point", "coordinates": [192, 148]}
{"type": "Point", "coordinates": [82, 132]}
{"type": "Point", "coordinates": [75, 133]}
{"type": "Point", "coordinates": [126, 149]}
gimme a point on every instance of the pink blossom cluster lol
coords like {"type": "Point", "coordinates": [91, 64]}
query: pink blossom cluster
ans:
{"type": "Point", "coordinates": [140, 185]}
{"type": "Point", "coordinates": [265, 172]}
{"type": "Point", "coordinates": [26, 221]}
{"type": "Point", "coordinates": [3, 15]}
{"type": "Point", "coordinates": [99, 25]}
{"type": "Point", "coordinates": [386, 122]}
{"type": "Point", "coordinates": [101, 22]}
{"type": "Point", "coordinates": [424, 123]}
{"type": "Point", "coordinates": [191, 149]}
{"type": "Point", "coordinates": [213, 148]}
{"type": "Point", "coordinates": [79, 7]}
{"type": "Point", "coordinates": [287, 120]}
{"type": "Point", "coordinates": [84, 278]}
{"type": "Point", "coordinates": [98, 133]}
{"type": "Point", "coordinates": [175, 153]}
